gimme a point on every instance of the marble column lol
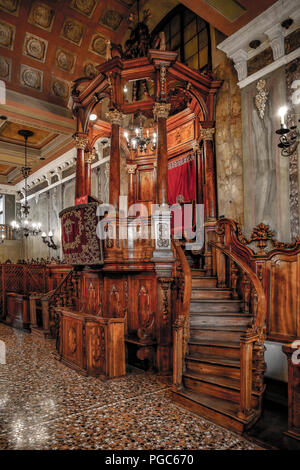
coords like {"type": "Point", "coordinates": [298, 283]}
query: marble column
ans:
{"type": "Point", "coordinates": [210, 196]}
{"type": "Point", "coordinates": [81, 141]}
{"type": "Point", "coordinates": [115, 118]}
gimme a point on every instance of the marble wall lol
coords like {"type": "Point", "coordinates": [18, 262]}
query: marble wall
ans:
{"type": "Point", "coordinates": [266, 172]}
{"type": "Point", "coordinates": [228, 142]}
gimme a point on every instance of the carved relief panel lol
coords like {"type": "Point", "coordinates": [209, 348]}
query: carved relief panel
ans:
{"type": "Point", "coordinates": [142, 307]}
{"type": "Point", "coordinates": [116, 297]}
{"type": "Point", "coordinates": [91, 286]}
{"type": "Point", "coordinates": [72, 340]}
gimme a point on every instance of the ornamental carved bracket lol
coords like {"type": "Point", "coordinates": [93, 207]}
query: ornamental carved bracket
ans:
{"type": "Point", "coordinates": [262, 234]}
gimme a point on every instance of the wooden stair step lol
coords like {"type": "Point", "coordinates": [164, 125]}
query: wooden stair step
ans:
{"type": "Point", "coordinates": [214, 335]}
{"type": "Point", "coordinates": [219, 328]}
{"type": "Point", "coordinates": [224, 344]}
{"type": "Point", "coordinates": [227, 382]}
{"type": "Point", "coordinates": [220, 411]}
{"type": "Point", "coordinates": [220, 320]}
{"type": "Point", "coordinates": [210, 293]}
{"type": "Point", "coordinates": [215, 305]}
{"type": "Point", "coordinates": [221, 314]}
{"type": "Point", "coordinates": [214, 347]}
{"type": "Point", "coordinates": [211, 359]}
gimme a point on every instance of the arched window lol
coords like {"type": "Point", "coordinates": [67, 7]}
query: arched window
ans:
{"type": "Point", "coordinates": [189, 35]}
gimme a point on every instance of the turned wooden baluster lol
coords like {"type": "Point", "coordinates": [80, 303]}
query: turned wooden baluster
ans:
{"type": "Point", "coordinates": [234, 279]}
{"type": "Point", "coordinates": [246, 292]}
{"type": "Point", "coordinates": [69, 289]}
{"type": "Point", "coordinates": [221, 269]}
{"type": "Point", "coordinates": [254, 304]}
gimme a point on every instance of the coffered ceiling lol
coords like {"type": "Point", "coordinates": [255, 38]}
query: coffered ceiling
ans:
{"type": "Point", "coordinates": [46, 44]}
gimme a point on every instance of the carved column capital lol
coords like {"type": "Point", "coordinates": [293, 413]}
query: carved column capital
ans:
{"type": "Point", "coordinates": [207, 133]}
{"type": "Point", "coordinates": [131, 168]}
{"type": "Point", "coordinates": [90, 156]}
{"type": "Point", "coordinates": [161, 110]}
{"type": "Point", "coordinates": [114, 116]}
{"type": "Point", "coordinates": [80, 141]}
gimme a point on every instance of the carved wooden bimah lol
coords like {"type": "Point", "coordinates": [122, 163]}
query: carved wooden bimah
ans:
{"type": "Point", "coordinates": [293, 356]}
{"type": "Point", "coordinates": [80, 243]}
{"type": "Point", "coordinates": [92, 345]}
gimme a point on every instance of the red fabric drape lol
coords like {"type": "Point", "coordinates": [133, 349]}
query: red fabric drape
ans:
{"type": "Point", "coordinates": [182, 180]}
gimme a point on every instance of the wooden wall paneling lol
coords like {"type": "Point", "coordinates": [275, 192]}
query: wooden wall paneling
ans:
{"type": "Point", "coordinates": [284, 304]}
{"type": "Point", "coordinates": [90, 293]}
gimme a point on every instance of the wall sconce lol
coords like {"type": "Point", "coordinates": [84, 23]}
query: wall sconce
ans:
{"type": "Point", "coordinates": [2, 238]}
{"type": "Point", "coordinates": [288, 138]}
{"type": "Point", "coordinates": [49, 242]}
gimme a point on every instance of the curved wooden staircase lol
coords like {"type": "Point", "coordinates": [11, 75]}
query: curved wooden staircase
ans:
{"type": "Point", "coordinates": [218, 342]}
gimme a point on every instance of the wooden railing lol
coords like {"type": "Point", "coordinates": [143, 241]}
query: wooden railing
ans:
{"type": "Point", "coordinates": [6, 232]}
{"type": "Point", "coordinates": [233, 272]}
{"type": "Point", "coordinates": [182, 309]}
{"type": "Point", "coordinates": [65, 295]}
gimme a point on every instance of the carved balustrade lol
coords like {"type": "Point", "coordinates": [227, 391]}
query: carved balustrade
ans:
{"type": "Point", "coordinates": [181, 309]}
{"type": "Point", "coordinates": [234, 273]}
{"type": "Point", "coordinates": [277, 265]}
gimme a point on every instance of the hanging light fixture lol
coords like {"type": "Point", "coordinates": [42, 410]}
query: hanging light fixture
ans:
{"type": "Point", "coordinates": [289, 138]}
{"type": "Point", "coordinates": [137, 140]}
{"type": "Point", "coordinates": [26, 228]}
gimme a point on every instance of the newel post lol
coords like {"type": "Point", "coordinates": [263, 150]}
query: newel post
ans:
{"type": "Point", "coordinates": [178, 335]}
{"type": "Point", "coordinates": [246, 353]}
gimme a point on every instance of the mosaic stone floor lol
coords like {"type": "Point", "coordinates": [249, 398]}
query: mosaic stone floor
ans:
{"type": "Point", "coordinates": [45, 405]}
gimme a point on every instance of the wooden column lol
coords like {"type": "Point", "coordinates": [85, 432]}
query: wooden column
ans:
{"type": "Point", "coordinates": [210, 196]}
{"type": "Point", "coordinates": [199, 171]}
{"type": "Point", "coordinates": [161, 112]}
{"type": "Point", "coordinates": [131, 168]}
{"type": "Point", "coordinates": [115, 118]}
{"type": "Point", "coordinates": [89, 158]}
{"type": "Point", "coordinates": [81, 141]}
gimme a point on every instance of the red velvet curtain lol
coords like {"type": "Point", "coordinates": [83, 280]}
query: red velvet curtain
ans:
{"type": "Point", "coordinates": [182, 179]}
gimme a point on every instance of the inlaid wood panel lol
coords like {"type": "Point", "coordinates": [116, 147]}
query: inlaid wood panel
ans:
{"type": "Point", "coordinates": [72, 341]}
{"type": "Point", "coordinates": [142, 306]}
{"type": "Point", "coordinates": [145, 184]}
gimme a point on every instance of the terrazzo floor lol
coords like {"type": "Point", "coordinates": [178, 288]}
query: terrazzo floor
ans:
{"type": "Point", "coordinates": [44, 405]}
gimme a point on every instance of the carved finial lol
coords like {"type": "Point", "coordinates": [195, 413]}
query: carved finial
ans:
{"type": "Point", "coordinates": [108, 50]}
{"type": "Point", "coordinates": [162, 44]}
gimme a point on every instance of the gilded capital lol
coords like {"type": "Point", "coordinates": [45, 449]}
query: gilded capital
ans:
{"type": "Point", "coordinates": [80, 141]}
{"type": "Point", "coordinates": [161, 110]}
{"type": "Point", "coordinates": [114, 117]}
{"type": "Point", "coordinates": [207, 133]}
{"type": "Point", "coordinates": [90, 156]}
{"type": "Point", "coordinates": [131, 169]}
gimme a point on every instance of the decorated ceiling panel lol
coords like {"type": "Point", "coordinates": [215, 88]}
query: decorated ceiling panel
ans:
{"type": "Point", "coordinates": [44, 45]}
